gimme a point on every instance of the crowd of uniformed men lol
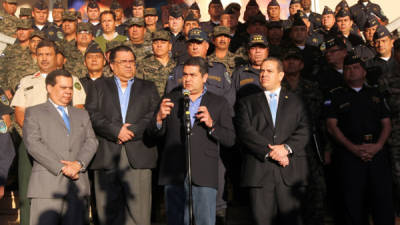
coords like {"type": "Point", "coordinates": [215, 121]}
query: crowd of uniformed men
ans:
{"type": "Point", "coordinates": [322, 54]}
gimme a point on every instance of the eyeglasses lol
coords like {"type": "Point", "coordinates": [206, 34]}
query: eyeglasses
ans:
{"type": "Point", "coordinates": [125, 62]}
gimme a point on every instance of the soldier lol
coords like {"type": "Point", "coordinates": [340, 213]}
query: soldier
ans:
{"type": "Point", "coordinates": [246, 79]}
{"type": "Point", "coordinates": [40, 14]}
{"type": "Point", "coordinates": [25, 13]}
{"type": "Point", "coordinates": [328, 27]}
{"type": "Point", "coordinates": [69, 25]}
{"type": "Point", "coordinates": [314, 18]}
{"type": "Point", "coordinates": [138, 8]}
{"type": "Point", "coordinates": [119, 17]}
{"type": "Point", "coordinates": [274, 36]}
{"type": "Point", "coordinates": [32, 91]}
{"type": "Point", "coordinates": [36, 37]}
{"type": "Point", "coordinates": [230, 20]}
{"type": "Point", "coordinates": [158, 67]}
{"type": "Point", "coordinates": [312, 97]}
{"type": "Point", "coordinates": [221, 39]}
{"type": "Point", "coordinates": [107, 19]}
{"type": "Point", "coordinates": [175, 22]}
{"type": "Point", "coordinates": [194, 8]}
{"type": "Point", "coordinates": [57, 13]}
{"type": "Point", "coordinates": [137, 43]}
{"type": "Point", "coordinates": [274, 14]}
{"type": "Point", "coordinates": [95, 62]}
{"type": "Point", "coordinates": [93, 13]}
{"type": "Point", "coordinates": [150, 19]}
{"type": "Point", "coordinates": [215, 9]}
{"type": "Point", "coordinates": [369, 30]}
{"type": "Point", "coordinates": [328, 20]}
{"type": "Point", "coordinates": [8, 19]}
{"type": "Point", "coordinates": [252, 8]}
{"type": "Point", "coordinates": [364, 8]}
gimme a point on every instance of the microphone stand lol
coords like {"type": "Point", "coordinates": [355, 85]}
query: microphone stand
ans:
{"type": "Point", "coordinates": [188, 132]}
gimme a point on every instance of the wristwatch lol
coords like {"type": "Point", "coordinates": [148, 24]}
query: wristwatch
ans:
{"type": "Point", "coordinates": [288, 148]}
{"type": "Point", "coordinates": [82, 166]}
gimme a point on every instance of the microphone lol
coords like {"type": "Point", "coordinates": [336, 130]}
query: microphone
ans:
{"type": "Point", "coordinates": [186, 111]}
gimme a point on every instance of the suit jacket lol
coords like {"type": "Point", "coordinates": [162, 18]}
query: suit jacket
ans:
{"type": "Point", "coordinates": [255, 131]}
{"type": "Point", "coordinates": [48, 141]}
{"type": "Point", "coordinates": [204, 145]}
{"type": "Point", "coordinates": [105, 112]}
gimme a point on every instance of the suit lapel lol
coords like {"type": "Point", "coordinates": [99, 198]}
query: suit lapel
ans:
{"type": "Point", "coordinates": [204, 102]}
{"type": "Point", "coordinates": [265, 107]}
{"type": "Point", "coordinates": [55, 114]}
{"type": "Point", "coordinates": [281, 109]}
{"type": "Point", "coordinates": [114, 94]}
{"type": "Point", "coordinates": [134, 95]}
{"type": "Point", "coordinates": [73, 120]}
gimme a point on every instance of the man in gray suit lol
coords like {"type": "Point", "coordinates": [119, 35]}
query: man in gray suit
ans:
{"type": "Point", "coordinates": [61, 141]}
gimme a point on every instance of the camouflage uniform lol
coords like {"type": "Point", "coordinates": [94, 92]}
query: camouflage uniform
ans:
{"type": "Point", "coordinates": [141, 50]}
{"type": "Point", "coordinates": [151, 69]}
{"type": "Point", "coordinates": [231, 61]}
{"type": "Point", "coordinates": [8, 23]}
{"type": "Point", "coordinates": [75, 60]}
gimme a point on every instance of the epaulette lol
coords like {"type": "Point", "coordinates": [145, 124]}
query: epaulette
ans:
{"type": "Point", "coordinates": [36, 75]}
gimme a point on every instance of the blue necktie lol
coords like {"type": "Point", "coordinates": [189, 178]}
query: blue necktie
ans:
{"type": "Point", "coordinates": [273, 105]}
{"type": "Point", "coordinates": [65, 118]}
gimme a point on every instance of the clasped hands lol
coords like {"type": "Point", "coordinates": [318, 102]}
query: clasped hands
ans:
{"type": "Point", "coordinates": [125, 134]}
{"type": "Point", "coordinates": [365, 151]}
{"type": "Point", "coordinates": [71, 169]}
{"type": "Point", "coordinates": [279, 154]}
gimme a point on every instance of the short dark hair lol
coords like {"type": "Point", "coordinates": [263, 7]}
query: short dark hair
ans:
{"type": "Point", "coordinates": [121, 48]}
{"type": "Point", "coordinates": [108, 12]}
{"type": "Point", "coordinates": [52, 76]}
{"type": "Point", "coordinates": [278, 62]}
{"type": "Point", "coordinates": [197, 61]}
{"type": "Point", "coordinates": [47, 43]}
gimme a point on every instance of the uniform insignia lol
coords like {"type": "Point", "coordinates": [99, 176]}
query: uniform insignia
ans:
{"type": "Point", "coordinates": [28, 88]}
{"type": "Point", "coordinates": [1, 17]}
{"type": "Point", "coordinates": [212, 77]}
{"type": "Point", "coordinates": [98, 33]}
{"type": "Point", "coordinates": [3, 127]}
{"type": "Point", "coordinates": [78, 86]}
{"type": "Point", "coordinates": [318, 19]}
{"type": "Point", "coordinates": [286, 97]}
{"type": "Point", "coordinates": [323, 47]}
{"type": "Point", "coordinates": [59, 34]}
{"type": "Point", "coordinates": [344, 105]}
{"type": "Point", "coordinates": [315, 40]}
{"type": "Point", "coordinates": [4, 100]}
{"type": "Point", "coordinates": [51, 33]}
{"type": "Point", "coordinates": [170, 77]}
{"type": "Point", "coordinates": [246, 81]}
{"type": "Point", "coordinates": [227, 77]}
{"type": "Point", "coordinates": [376, 99]}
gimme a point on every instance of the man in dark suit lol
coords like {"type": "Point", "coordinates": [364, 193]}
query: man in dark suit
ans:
{"type": "Point", "coordinates": [273, 128]}
{"type": "Point", "coordinates": [211, 124]}
{"type": "Point", "coordinates": [62, 143]}
{"type": "Point", "coordinates": [120, 108]}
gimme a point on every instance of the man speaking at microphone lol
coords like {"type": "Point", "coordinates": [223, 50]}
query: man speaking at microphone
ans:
{"type": "Point", "coordinates": [211, 126]}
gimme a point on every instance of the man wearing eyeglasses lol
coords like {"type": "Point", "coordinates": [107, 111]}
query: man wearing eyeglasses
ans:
{"type": "Point", "coordinates": [120, 107]}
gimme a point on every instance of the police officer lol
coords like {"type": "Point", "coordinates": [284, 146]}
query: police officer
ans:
{"type": "Point", "coordinates": [95, 62]}
{"type": "Point", "coordinates": [358, 120]}
{"type": "Point", "coordinates": [364, 8]}
{"type": "Point", "coordinates": [40, 15]}
{"type": "Point", "coordinates": [313, 17]}
{"type": "Point", "coordinates": [274, 14]}
{"type": "Point", "coordinates": [215, 9]}
{"type": "Point", "coordinates": [136, 32]}
{"type": "Point", "coordinates": [369, 30]}
{"type": "Point", "coordinates": [175, 27]}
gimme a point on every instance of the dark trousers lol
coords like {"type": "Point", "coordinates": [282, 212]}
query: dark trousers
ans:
{"type": "Point", "coordinates": [24, 173]}
{"type": "Point", "coordinates": [275, 202]}
{"type": "Point", "coordinates": [364, 186]}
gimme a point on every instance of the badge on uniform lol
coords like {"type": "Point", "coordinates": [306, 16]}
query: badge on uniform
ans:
{"type": "Point", "coordinates": [3, 127]}
{"type": "Point", "coordinates": [98, 32]}
{"type": "Point", "coordinates": [78, 86]}
{"type": "Point", "coordinates": [4, 100]}
{"type": "Point", "coordinates": [59, 34]}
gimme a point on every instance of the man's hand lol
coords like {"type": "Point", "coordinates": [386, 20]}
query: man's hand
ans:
{"type": "Point", "coordinates": [1, 191]}
{"type": "Point", "coordinates": [71, 169]}
{"type": "Point", "coordinates": [370, 150]}
{"type": "Point", "coordinates": [125, 134]}
{"type": "Point", "coordinates": [204, 116]}
{"type": "Point", "coordinates": [279, 154]}
{"type": "Point", "coordinates": [165, 109]}
{"type": "Point", "coordinates": [359, 151]}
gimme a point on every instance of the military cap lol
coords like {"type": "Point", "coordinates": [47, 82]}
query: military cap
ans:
{"type": "Point", "coordinates": [25, 12]}
{"type": "Point", "coordinates": [113, 44]}
{"type": "Point", "coordinates": [175, 11]}
{"type": "Point", "coordinates": [58, 5]}
{"type": "Point", "coordinates": [295, 2]}
{"type": "Point", "coordinates": [11, 1]}
{"type": "Point", "coordinates": [93, 48]}
{"type": "Point", "coordinates": [274, 24]}
{"type": "Point", "coordinates": [161, 35]}
{"type": "Point", "coordinates": [194, 6]}
{"type": "Point", "coordinates": [234, 6]}
{"type": "Point", "coordinates": [24, 24]}
{"type": "Point", "coordinates": [115, 5]}
{"type": "Point", "coordinates": [138, 3]}
{"type": "Point", "coordinates": [343, 13]}
{"type": "Point", "coordinates": [293, 53]}
{"type": "Point", "coordinates": [84, 26]}
{"type": "Point", "coordinates": [197, 34]}
{"type": "Point", "coordinates": [371, 21]}
{"type": "Point", "coordinates": [229, 11]}
{"type": "Point", "coordinates": [150, 12]}
{"type": "Point", "coordinates": [342, 4]}
{"type": "Point", "coordinates": [298, 19]}
{"type": "Point", "coordinates": [135, 21]}
{"type": "Point", "coordinates": [191, 17]}
{"type": "Point", "coordinates": [353, 58]}
{"type": "Point", "coordinates": [257, 39]}
{"type": "Point", "coordinates": [327, 11]}
{"type": "Point", "coordinates": [252, 3]}
{"type": "Point", "coordinates": [396, 45]}
{"type": "Point", "coordinates": [273, 3]}
{"type": "Point", "coordinates": [216, 2]}
{"type": "Point", "coordinates": [332, 41]}
{"type": "Point", "coordinates": [93, 5]}
{"type": "Point", "coordinates": [41, 5]}
{"type": "Point", "coordinates": [78, 14]}
{"type": "Point", "coordinates": [221, 30]}
{"type": "Point", "coordinates": [381, 32]}
{"type": "Point", "coordinates": [258, 18]}
{"type": "Point", "coordinates": [38, 33]}
{"type": "Point", "coordinates": [69, 15]}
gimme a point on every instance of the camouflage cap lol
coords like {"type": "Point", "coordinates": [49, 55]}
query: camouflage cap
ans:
{"type": "Point", "coordinates": [258, 39]}
{"type": "Point", "coordinates": [194, 6]}
{"type": "Point", "coordinates": [273, 3]}
{"type": "Point", "coordinates": [371, 21]}
{"type": "Point", "coordinates": [197, 34]}
{"type": "Point", "coordinates": [93, 5]}
{"type": "Point", "coordinates": [221, 30]}
{"type": "Point", "coordinates": [24, 24]}
{"type": "Point", "coordinates": [69, 15]}
{"type": "Point", "coordinates": [138, 3]}
{"type": "Point", "coordinates": [293, 53]}
{"type": "Point", "coordinates": [353, 58]}
{"type": "Point", "coordinates": [11, 1]}
{"type": "Point", "coordinates": [252, 3]}
{"type": "Point", "coordinates": [150, 12]}
{"type": "Point", "coordinates": [327, 11]}
{"type": "Point", "coordinates": [381, 32]}
{"type": "Point", "coordinates": [191, 17]}
{"type": "Point", "coordinates": [113, 44]}
{"type": "Point", "coordinates": [38, 33]}
{"type": "Point", "coordinates": [41, 5]}
{"type": "Point", "coordinates": [295, 2]}
{"type": "Point", "coordinates": [396, 45]}
{"type": "Point", "coordinates": [93, 48]}
{"type": "Point", "coordinates": [25, 12]}
{"type": "Point", "coordinates": [135, 21]}
{"type": "Point", "coordinates": [58, 5]}
{"type": "Point", "coordinates": [84, 26]}
{"type": "Point", "coordinates": [161, 35]}
{"type": "Point", "coordinates": [115, 5]}
{"type": "Point", "coordinates": [175, 11]}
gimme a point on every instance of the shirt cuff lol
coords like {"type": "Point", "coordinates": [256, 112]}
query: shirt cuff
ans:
{"type": "Point", "coordinates": [288, 148]}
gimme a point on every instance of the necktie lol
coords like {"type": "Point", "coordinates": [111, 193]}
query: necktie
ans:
{"type": "Point", "coordinates": [273, 105]}
{"type": "Point", "coordinates": [65, 118]}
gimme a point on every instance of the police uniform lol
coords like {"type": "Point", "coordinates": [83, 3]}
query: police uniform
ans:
{"type": "Point", "coordinates": [361, 12]}
{"type": "Point", "coordinates": [53, 33]}
{"type": "Point", "coordinates": [179, 48]}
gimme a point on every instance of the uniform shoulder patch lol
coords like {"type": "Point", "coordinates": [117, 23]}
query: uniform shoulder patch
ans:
{"type": "Point", "coordinates": [4, 99]}
{"type": "Point", "coordinates": [77, 86]}
{"type": "Point", "coordinates": [3, 127]}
